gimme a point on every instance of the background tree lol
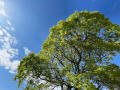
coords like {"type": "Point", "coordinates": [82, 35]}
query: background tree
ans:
{"type": "Point", "coordinates": [76, 54]}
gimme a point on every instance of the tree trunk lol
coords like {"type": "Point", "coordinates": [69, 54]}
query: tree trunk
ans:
{"type": "Point", "coordinates": [69, 88]}
{"type": "Point", "coordinates": [62, 87]}
{"type": "Point", "coordinates": [76, 89]}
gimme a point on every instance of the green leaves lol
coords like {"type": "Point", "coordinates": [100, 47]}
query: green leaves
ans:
{"type": "Point", "coordinates": [76, 54]}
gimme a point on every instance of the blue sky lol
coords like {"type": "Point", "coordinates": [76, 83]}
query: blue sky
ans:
{"type": "Point", "coordinates": [24, 25]}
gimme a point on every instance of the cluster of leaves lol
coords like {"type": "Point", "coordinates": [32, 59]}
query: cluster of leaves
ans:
{"type": "Point", "coordinates": [76, 54]}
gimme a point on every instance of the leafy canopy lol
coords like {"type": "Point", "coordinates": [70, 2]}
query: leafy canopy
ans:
{"type": "Point", "coordinates": [77, 54]}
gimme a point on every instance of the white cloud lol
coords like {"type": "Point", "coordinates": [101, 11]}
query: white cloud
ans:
{"type": "Point", "coordinates": [14, 66]}
{"type": "Point", "coordinates": [3, 12]}
{"type": "Point", "coordinates": [8, 22]}
{"type": "Point", "coordinates": [26, 50]}
{"type": "Point", "coordinates": [7, 52]}
{"type": "Point", "coordinates": [1, 4]}
{"type": "Point", "coordinates": [1, 33]}
{"type": "Point", "coordinates": [12, 28]}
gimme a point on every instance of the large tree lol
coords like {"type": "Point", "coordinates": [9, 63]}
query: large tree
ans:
{"type": "Point", "coordinates": [77, 54]}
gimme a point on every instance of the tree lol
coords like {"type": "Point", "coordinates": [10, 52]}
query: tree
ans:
{"type": "Point", "coordinates": [77, 54]}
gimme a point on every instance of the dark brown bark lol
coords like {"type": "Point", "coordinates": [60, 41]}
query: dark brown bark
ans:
{"type": "Point", "coordinates": [69, 88]}
{"type": "Point", "coordinates": [61, 87]}
{"type": "Point", "coordinates": [76, 89]}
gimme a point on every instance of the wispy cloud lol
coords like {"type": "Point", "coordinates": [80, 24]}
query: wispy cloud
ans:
{"type": "Point", "coordinates": [2, 4]}
{"type": "Point", "coordinates": [8, 53]}
{"type": "Point", "coordinates": [8, 22]}
{"type": "Point", "coordinates": [26, 50]}
{"type": "Point", "coordinates": [3, 12]}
